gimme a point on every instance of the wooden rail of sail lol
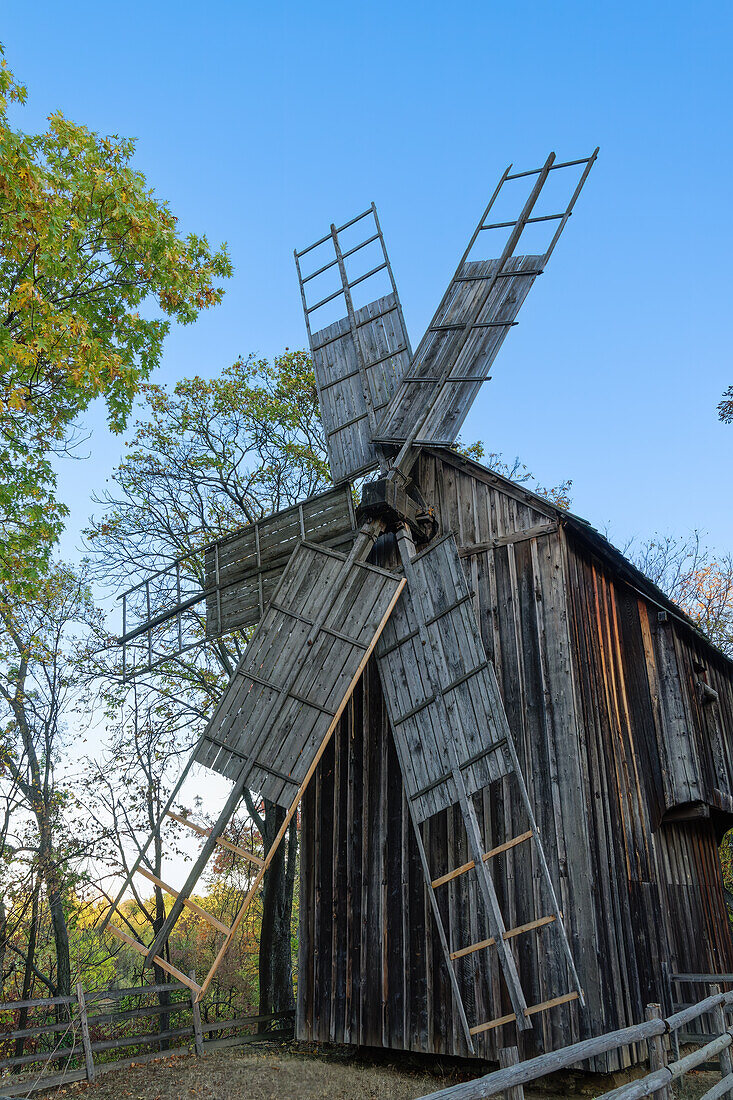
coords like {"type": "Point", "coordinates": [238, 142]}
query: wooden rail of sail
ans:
{"type": "Point", "coordinates": [142, 950]}
{"type": "Point", "coordinates": [188, 902]}
{"type": "Point", "coordinates": [508, 935]}
{"type": "Point", "coordinates": [487, 855]}
{"type": "Point", "coordinates": [219, 840]}
{"type": "Point", "coordinates": [300, 792]}
{"type": "Point", "coordinates": [499, 1021]}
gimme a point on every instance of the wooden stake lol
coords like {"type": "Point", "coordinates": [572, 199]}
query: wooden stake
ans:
{"type": "Point", "coordinates": [509, 1056]}
{"type": "Point", "coordinates": [84, 1026]}
{"type": "Point", "coordinates": [198, 1035]}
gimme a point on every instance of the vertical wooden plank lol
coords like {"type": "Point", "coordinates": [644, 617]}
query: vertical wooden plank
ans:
{"type": "Point", "coordinates": [509, 1056]}
{"type": "Point", "coordinates": [721, 1026]}
{"type": "Point", "coordinates": [198, 1035]}
{"type": "Point", "coordinates": [84, 1028]}
{"type": "Point", "coordinates": [657, 1053]}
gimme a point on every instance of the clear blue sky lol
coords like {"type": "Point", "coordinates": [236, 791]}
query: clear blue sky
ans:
{"type": "Point", "coordinates": [262, 123]}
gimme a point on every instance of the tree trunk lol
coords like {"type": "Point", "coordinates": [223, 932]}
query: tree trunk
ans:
{"type": "Point", "coordinates": [54, 891]}
{"type": "Point", "coordinates": [28, 974]}
{"type": "Point", "coordinates": [160, 976]}
{"type": "Point", "coordinates": [275, 959]}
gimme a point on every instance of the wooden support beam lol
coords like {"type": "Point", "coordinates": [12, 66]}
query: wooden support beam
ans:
{"type": "Point", "coordinates": [508, 935]}
{"type": "Point", "coordinates": [219, 840]}
{"type": "Point", "coordinates": [301, 789]}
{"type": "Point", "coordinates": [142, 950]}
{"type": "Point", "coordinates": [509, 1056]}
{"type": "Point", "coordinates": [188, 902]}
{"type": "Point", "coordinates": [488, 855]}
{"type": "Point", "coordinates": [531, 1010]}
{"type": "Point", "coordinates": [552, 1003]}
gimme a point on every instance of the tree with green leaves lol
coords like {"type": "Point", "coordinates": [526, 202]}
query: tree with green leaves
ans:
{"type": "Point", "coordinates": [206, 459]}
{"type": "Point", "coordinates": [93, 270]}
{"type": "Point", "coordinates": [45, 641]}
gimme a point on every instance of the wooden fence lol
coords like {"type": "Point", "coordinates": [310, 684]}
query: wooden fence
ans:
{"type": "Point", "coordinates": [90, 1028]}
{"type": "Point", "coordinates": [509, 1081]}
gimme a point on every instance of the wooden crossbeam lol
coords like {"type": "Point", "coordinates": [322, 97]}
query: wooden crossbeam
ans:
{"type": "Point", "coordinates": [531, 1010]}
{"type": "Point", "coordinates": [487, 855]}
{"type": "Point", "coordinates": [219, 840]}
{"type": "Point", "coordinates": [142, 950]}
{"type": "Point", "coordinates": [188, 902]}
{"type": "Point", "coordinates": [508, 935]}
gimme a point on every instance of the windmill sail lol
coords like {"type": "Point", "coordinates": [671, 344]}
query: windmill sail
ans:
{"type": "Point", "coordinates": [444, 377]}
{"type": "Point", "coordinates": [163, 616]}
{"type": "Point", "coordinates": [358, 359]}
{"type": "Point", "coordinates": [471, 323]}
{"type": "Point", "coordinates": [437, 595]}
{"type": "Point", "coordinates": [451, 743]}
{"type": "Point", "coordinates": [296, 670]}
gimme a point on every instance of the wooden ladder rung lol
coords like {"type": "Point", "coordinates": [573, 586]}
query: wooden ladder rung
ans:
{"type": "Point", "coordinates": [508, 935]}
{"type": "Point", "coordinates": [219, 840]}
{"type": "Point", "coordinates": [188, 902]}
{"type": "Point", "coordinates": [530, 1011]}
{"type": "Point", "coordinates": [487, 855]}
{"type": "Point", "coordinates": [143, 950]}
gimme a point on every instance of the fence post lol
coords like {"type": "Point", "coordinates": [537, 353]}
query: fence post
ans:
{"type": "Point", "coordinates": [84, 1025]}
{"type": "Point", "coordinates": [721, 1027]}
{"type": "Point", "coordinates": [657, 1052]}
{"type": "Point", "coordinates": [509, 1056]}
{"type": "Point", "coordinates": [198, 1035]}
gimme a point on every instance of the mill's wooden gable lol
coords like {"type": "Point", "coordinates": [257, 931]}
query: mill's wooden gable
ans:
{"type": "Point", "coordinates": [627, 758]}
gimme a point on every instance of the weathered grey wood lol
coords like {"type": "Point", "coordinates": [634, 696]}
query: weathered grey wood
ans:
{"type": "Point", "coordinates": [437, 667]}
{"type": "Point", "coordinates": [198, 1036]}
{"type": "Point", "coordinates": [657, 1051]}
{"type": "Point", "coordinates": [358, 359]}
{"type": "Point", "coordinates": [651, 1085]}
{"type": "Point", "coordinates": [84, 1028]}
{"type": "Point", "coordinates": [38, 1002]}
{"type": "Point", "coordinates": [535, 1068]}
{"type": "Point", "coordinates": [243, 574]}
{"type": "Point", "coordinates": [300, 665]}
{"type": "Point", "coordinates": [464, 306]}
{"type": "Point", "coordinates": [438, 596]}
{"type": "Point", "coordinates": [721, 1026]}
{"type": "Point", "coordinates": [720, 1091]}
{"type": "Point", "coordinates": [146, 1037]}
{"type": "Point", "coordinates": [693, 1012]}
{"type": "Point", "coordinates": [272, 645]}
{"type": "Point", "coordinates": [509, 1056]}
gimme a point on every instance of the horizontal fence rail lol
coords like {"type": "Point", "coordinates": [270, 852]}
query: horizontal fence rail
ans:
{"type": "Point", "coordinates": [89, 1029]}
{"type": "Point", "coordinates": [655, 1031]}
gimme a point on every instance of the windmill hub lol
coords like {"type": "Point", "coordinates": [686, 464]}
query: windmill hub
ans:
{"type": "Point", "coordinates": [396, 502]}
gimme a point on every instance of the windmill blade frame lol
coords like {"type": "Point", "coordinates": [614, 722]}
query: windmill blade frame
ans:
{"type": "Point", "coordinates": [359, 359]}
{"type": "Point", "coordinates": [460, 344]}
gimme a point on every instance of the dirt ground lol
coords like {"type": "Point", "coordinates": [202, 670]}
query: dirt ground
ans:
{"type": "Point", "coordinates": [303, 1072]}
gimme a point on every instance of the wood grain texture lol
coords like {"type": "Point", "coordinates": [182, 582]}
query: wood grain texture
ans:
{"type": "Point", "coordinates": [383, 343]}
{"type": "Point", "coordinates": [580, 665]}
{"type": "Point", "coordinates": [296, 669]}
{"type": "Point", "coordinates": [242, 571]}
{"type": "Point", "coordinates": [439, 360]}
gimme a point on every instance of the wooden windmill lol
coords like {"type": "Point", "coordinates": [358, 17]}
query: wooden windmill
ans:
{"type": "Point", "coordinates": [308, 577]}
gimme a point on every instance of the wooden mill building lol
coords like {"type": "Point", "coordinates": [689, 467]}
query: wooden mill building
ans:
{"type": "Point", "coordinates": [623, 719]}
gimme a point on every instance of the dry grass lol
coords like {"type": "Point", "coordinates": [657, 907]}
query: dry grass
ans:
{"type": "Point", "coordinates": [299, 1071]}
{"type": "Point", "coordinates": [267, 1072]}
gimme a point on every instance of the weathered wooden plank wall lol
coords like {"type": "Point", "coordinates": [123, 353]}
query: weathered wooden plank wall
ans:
{"type": "Point", "coordinates": [577, 660]}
